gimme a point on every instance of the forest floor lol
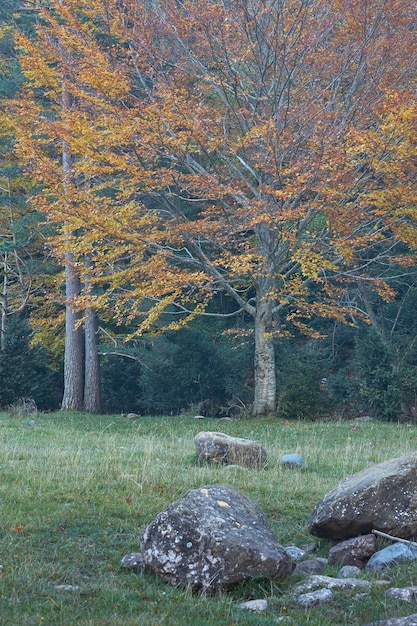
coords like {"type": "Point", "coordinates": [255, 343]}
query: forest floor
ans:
{"type": "Point", "coordinates": [77, 491]}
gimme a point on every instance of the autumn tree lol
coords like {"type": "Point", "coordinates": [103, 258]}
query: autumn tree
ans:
{"type": "Point", "coordinates": [212, 156]}
{"type": "Point", "coordinates": [20, 235]}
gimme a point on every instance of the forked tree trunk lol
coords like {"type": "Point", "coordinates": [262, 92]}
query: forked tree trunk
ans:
{"type": "Point", "coordinates": [265, 376]}
{"type": "Point", "coordinates": [74, 348]}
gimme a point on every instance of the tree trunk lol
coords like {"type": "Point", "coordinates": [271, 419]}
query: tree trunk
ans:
{"type": "Point", "coordinates": [265, 376]}
{"type": "Point", "coordinates": [92, 381]}
{"type": "Point", "coordinates": [4, 306]}
{"type": "Point", "coordinates": [74, 349]}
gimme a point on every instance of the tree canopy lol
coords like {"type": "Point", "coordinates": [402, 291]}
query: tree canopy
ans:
{"type": "Point", "coordinates": [259, 151]}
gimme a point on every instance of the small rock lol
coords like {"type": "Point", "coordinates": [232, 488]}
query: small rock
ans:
{"type": "Point", "coordinates": [349, 571]}
{"type": "Point", "coordinates": [292, 460]}
{"type": "Point", "coordinates": [408, 594]}
{"type": "Point", "coordinates": [354, 551]}
{"type": "Point", "coordinates": [254, 605]}
{"type": "Point", "coordinates": [391, 555]}
{"type": "Point", "coordinates": [132, 416]}
{"type": "Point", "coordinates": [311, 566]}
{"type": "Point", "coordinates": [295, 553]}
{"type": "Point", "coordinates": [199, 417]}
{"type": "Point", "coordinates": [66, 587]}
{"type": "Point", "coordinates": [409, 620]}
{"type": "Point", "coordinates": [314, 598]}
{"type": "Point", "coordinates": [331, 583]}
{"type": "Point", "coordinates": [309, 547]}
{"type": "Point", "coordinates": [133, 560]}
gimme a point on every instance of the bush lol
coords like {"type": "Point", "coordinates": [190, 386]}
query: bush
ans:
{"type": "Point", "coordinates": [25, 370]}
{"type": "Point", "coordinates": [301, 380]}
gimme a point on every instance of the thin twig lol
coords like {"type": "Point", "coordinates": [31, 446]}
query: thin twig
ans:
{"type": "Point", "coordinates": [391, 538]}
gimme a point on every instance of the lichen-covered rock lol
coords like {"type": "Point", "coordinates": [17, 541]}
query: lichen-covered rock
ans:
{"type": "Point", "coordinates": [212, 537]}
{"type": "Point", "coordinates": [382, 497]}
{"type": "Point", "coordinates": [328, 582]}
{"type": "Point", "coordinates": [213, 447]}
{"type": "Point", "coordinates": [308, 600]}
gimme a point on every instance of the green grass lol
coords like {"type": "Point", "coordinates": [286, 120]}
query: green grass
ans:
{"type": "Point", "coordinates": [77, 491]}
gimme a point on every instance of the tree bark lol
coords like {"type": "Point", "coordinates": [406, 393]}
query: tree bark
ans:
{"type": "Point", "coordinates": [92, 380]}
{"type": "Point", "coordinates": [265, 375]}
{"type": "Point", "coordinates": [74, 349]}
{"type": "Point", "coordinates": [4, 306]}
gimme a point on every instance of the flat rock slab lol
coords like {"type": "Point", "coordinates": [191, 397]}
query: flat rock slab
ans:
{"type": "Point", "coordinates": [382, 497]}
{"type": "Point", "coordinates": [409, 620]}
{"type": "Point", "coordinates": [214, 447]}
{"type": "Point", "coordinates": [212, 537]}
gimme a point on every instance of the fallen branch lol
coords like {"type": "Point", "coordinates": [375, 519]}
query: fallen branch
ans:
{"type": "Point", "coordinates": [392, 538]}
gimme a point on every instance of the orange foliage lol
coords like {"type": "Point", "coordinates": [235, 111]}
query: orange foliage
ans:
{"type": "Point", "coordinates": [251, 148]}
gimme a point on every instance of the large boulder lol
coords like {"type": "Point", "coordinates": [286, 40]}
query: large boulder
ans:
{"type": "Point", "coordinates": [382, 497]}
{"type": "Point", "coordinates": [211, 537]}
{"type": "Point", "coordinates": [213, 447]}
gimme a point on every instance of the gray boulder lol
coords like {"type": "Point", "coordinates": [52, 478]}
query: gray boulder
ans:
{"type": "Point", "coordinates": [213, 447]}
{"type": "Point", "coordinates": [391, 555]}
{"type": "Point", "coordinates": [212, 537]}
{"type": "Point", "coordinates": [382, 497]}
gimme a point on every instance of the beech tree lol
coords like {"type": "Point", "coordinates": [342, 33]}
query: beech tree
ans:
{"type": "Point", "coordinates": [214, 151]}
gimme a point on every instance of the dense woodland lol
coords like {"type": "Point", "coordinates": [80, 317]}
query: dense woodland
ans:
{"type": "Point", "coordinates": [209, 206]}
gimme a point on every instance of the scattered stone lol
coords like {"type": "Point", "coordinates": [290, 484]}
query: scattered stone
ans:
{"type": "Point", "coordinates": [295, 553]}
{"type": "Point", "coordinates": [309, 547]}
{"type": "Point", "coordinates": [382, 497]}
{"type": "Point", "coordinates": [391, 555]}
{"type": "Point", "coordinates": [292, 460]}
{"type": "Point", "coordinates": [349, 571]}
{"type": "Point", "coordinates": [212, 537]}
{"type": "Point", "coordinates": [311, 566]}
{"type": "Point", "coordinates": [408, 594]}
{"type": "Point", "coordinates": [67, 587]}
{"type": "Point", "coordinates": [353, 551]}
{"type": "Point", "coordinates": [213, 447]}
{"type": "Point", "coordinates": [329, 582]}
{"type": "Point", "coordinates": [410, 620]}
{"type": "Point", "coordinates": [314, 598]}
{"type": "Point", "coordinates": [134, 561]}
{"type": "Point", "coordinates": [254, 605]}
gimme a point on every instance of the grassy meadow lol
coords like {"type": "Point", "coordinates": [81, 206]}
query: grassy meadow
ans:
{"type": "Point", "coordinates": [77, 491]}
